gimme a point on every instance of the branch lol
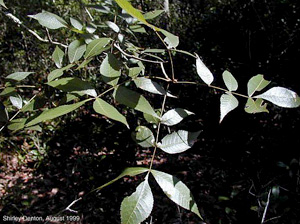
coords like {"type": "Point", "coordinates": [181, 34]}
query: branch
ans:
{"type": "Point", "coordinates": [70, 205]}
{"type": "Point", "coordinates": [20, 23]}
{"type": "Point", "coordinates": [137, 58]}
{"type": "Point", "coordinates": [266, 208]}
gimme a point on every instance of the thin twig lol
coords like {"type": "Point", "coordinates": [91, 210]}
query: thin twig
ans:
{"type": "Point", "coordinates": [70, 205]}
{"type": "Point", "coordinates": [20, 23]}
{"type": "Point", "coordinates": [133, 56]}
{"type": "Point", "coordinates": [266, 207]}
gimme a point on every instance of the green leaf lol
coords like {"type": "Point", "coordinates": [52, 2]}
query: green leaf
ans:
{"type": "Point", "coordinates": [8, 91]}
{"type": "Point", "coordinates": [3, 113]}
{"type": "Point", "coordinates": [96, 47]}
{"type": "Point", "coordinates": [138, 206]}
{"type": "Point", "coordinates": [281, 97]}
{"type": "Point", "coordinates": [228, 103]}
{"type": "Point", "coordinates": [54, 113]}
{"type": "Point", "coordinates": [76, 24]}
{"type": "Point", "coordinates": [143, 136]}
{"type": "Point", "coordinates": [255, 106]}
{"type": "Point", "coordinates": [256, 83]}
{"type": "Point", "coordinates": [75, 50]}
{"type": "Point", "coordinates": [73, 85]}
{"type": "Point", "coordinates": [110, 69]}
{"type": "Point", "coordinates": [18, 76]}
{"type": "Point", "coordinates": [134, 100]}
{"type": "Point", "coordinates": [153, 14]}
{"type": "Point", "coordinates": [102, 107]}
{"type": "Point", "coordinates": [178, 142]}
{"type": "Point", "coordinates": [33, 105]}
{"type": "Point", "coordinates": [135, 71]}
{"type": "Point", "coordinates": [230, 81]}
{"type": "Point", "coordinates": [137, 29]}
{"type": "Point", "coordinates": [17, 124]}
{"type": "Point", "coordinates": [16, 101]}
{"type": "Point", "coordinates": [175, 116]}
{"type": "Point", "coordinates": [130, 171]}
{"type": "Point", "coordinates": [50, 20]}
{"type": "Point", "coordinates": [203, 72]}
{"type": "Point", "coordinates": [2, 3]}
{"type": "Point", "coordinates": [176, 190]}
{"type": "Point", "coordinates": [58, 56]}
{"type": "Point", "coordinates": [58, 72]}
{"type": "Point", "coordinates": [124, 4]}
{"type": "Point", "coordinates": [152, 120]}
{"type": "Point", "coordinates": [171, 40]}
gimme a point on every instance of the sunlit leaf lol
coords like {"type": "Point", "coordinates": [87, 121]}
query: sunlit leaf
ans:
{"type": "Point", "coordinates": [179, 141]}
{"type": "Point", "coordinates": [175, 116]}
{"type": "Point", "coordinates": [58, 56]}
{"type": "Point", "coordinates": [96, 47]}
{"type": "Point", "coordinates": [143, 136]}
{"type": "Point", "coordinates": [18, 76]}
{"type": "Point", "coordinates": [255, 106]}
{"type": "Point", "coordinates": [171, 39]}
{"type": "Point", "coordinates": [152, 120]}
{"type": "Point", "coordinates": [138, 206]}
{"type": "Point", "coordinates": [134, 71]}
{"type": "Point", "coordinates": [176, 190]}
{"type": "Point", "coordinates": [228, 102]}
{"type": "Point", "coordinates": [149, 85]}
{"type": "Point", "coordinates": [203, 72]}
{"type": "Point", "coordinates": [113, 26]}
{"type": "Point", "coordinates": [137, 29]}
{"type": "Point", "coordinates": [104, 108]}
{"type": "Point", "coordinates": [2, 4]}
{"type": "Point", "coordinates": [230, 81]}
{"type": "Point", "coordinates": [73, 85]}
{"type": "Point", "coordinates": [76, 24]}
{"type": "Point", "coordinates": [75, 50]}
{"type": "Point", "coordinates": [134, 100]}
{"type": "Point", "coordinates": [16, 101]}
{"type": "Point", "coordinates": [110, 69]}
{"type": "Point", "coordinates": [281, 97]}
{"type": "Point", "coordinates": [124, 4]}
{"type": "Point", "coordinates": [256, 83]}
{"type": "Point", "coordinates": [50, 20]}
{"type": "Point", "coordinates": [49, 114]}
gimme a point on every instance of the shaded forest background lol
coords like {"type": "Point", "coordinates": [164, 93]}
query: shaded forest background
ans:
{"type": "Point", "coordinates": [231, 168]}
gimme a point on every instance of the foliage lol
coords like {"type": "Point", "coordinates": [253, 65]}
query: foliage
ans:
{"type": "Point", "coordinates": [114, 47]}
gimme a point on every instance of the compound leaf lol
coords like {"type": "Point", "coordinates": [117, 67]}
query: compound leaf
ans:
{"type": "Point", "coordinates": [133, 100]}
{"type": "Point", "coordinates": [73, 85]}
{"type": "Point", "coordinates": [176, 190]}
{"type": "Point", "coordinates": [178, 142]}
{"type": "Point", "coordinates": [96, 47]}
{"type": "Point", "coordinates": [58, 56]}
{"type": "Point", "coordinates": [228, 103]}
{"type": "Point", "coordinates": [104, 108]}
{"type": "Point", "coordinates": [255, 106]}
{"type": "Point", "coordinates": [110, 69]}
{"type": "Point", "coordinates": [281, 97]}
{"type": "Point", "coordinates": [174, 116]}
{"type": "Point", "coordinates": [75, 50]}
{"type": "Point", "coordinates": [230, 81]}
{"type": "Point", "coordinates": [54, 113]}
{"type": "Point", "coordinates": [138, 206]}
{"type": "Point", "coordinates": [256, 83]}
{"type": "Point", "coordinates": [18, 76]}
{"type": "Point", "coordinates": [203, 72]}
{"type": "Point", "coordinates": [50, 20]}
{"type": "Point", "coordinates": [143, 136]}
